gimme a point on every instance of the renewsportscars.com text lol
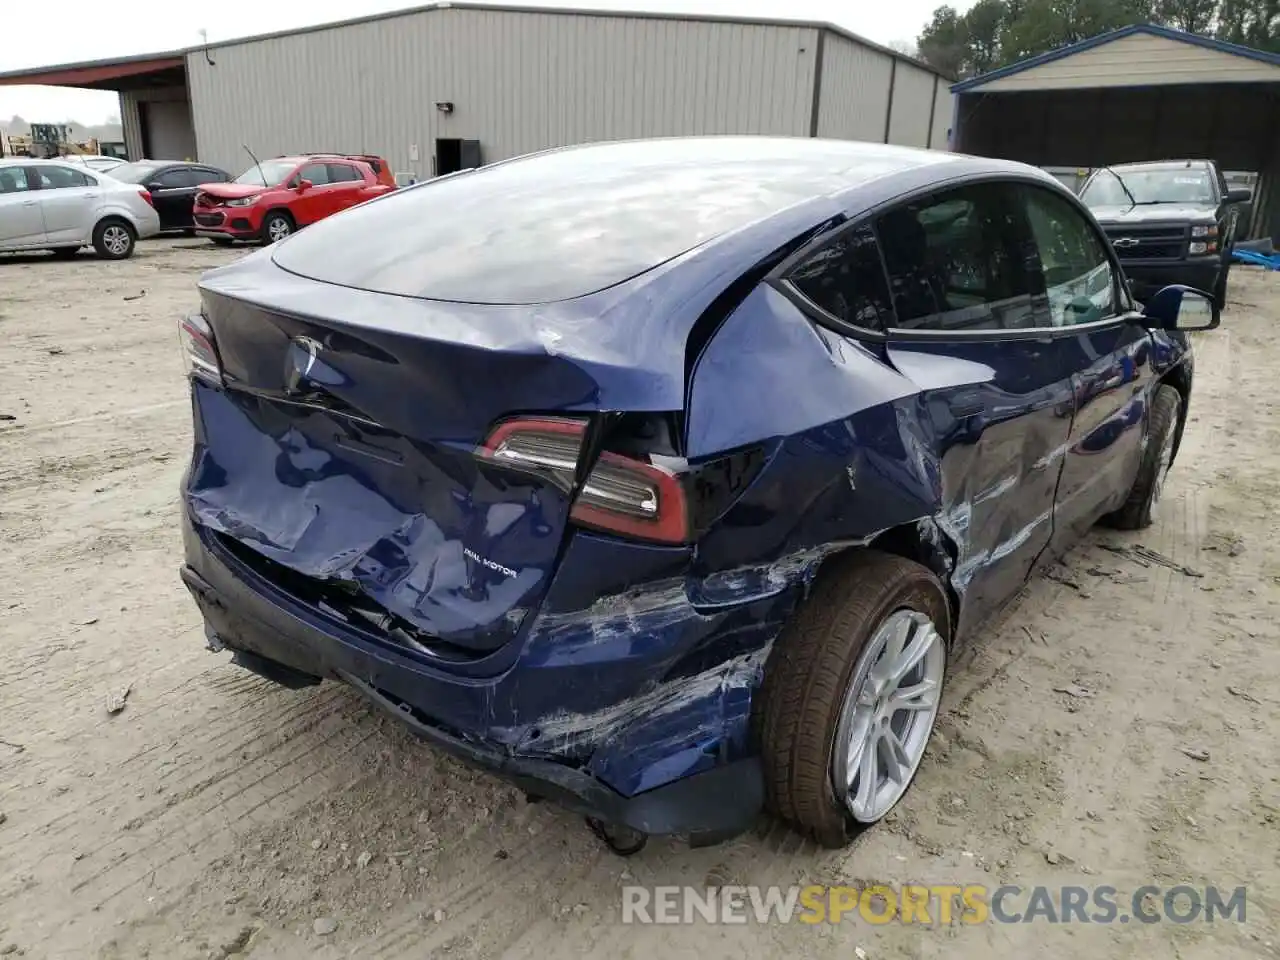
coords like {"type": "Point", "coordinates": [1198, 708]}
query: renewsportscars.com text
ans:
{"type": "Point", "coordinates": [940, 904]}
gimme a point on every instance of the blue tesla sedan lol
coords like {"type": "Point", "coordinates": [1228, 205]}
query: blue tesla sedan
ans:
{"type": "Point", "coordinates": [663, 478]}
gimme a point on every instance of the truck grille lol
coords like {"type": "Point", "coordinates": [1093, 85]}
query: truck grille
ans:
{"type": "Point", "coordinates": [1148, 243]}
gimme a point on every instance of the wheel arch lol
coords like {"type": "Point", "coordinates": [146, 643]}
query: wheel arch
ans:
{"type": "Point", "coordinates": [922, 541]}
{"type": "Point", "coordinates": [1180, 379]}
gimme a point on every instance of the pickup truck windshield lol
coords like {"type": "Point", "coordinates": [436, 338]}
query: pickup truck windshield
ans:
{"type": "Point", "coordinates": [1170, 185]}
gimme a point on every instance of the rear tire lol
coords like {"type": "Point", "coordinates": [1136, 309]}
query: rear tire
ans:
{"type": "Point", "coordinates": [828, 664]}
{"type": "Point", "coordinates": [276, 225]}
{"type": "Point", "coordinates": [1139, 510]}
{"type": "Point", "coordinates": [114, 239]}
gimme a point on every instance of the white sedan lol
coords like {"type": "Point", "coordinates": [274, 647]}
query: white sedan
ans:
{"type": "Point", "coordinates": [58, 206]}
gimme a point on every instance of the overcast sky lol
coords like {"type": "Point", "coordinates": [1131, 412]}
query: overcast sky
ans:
{"type": "Point", "coordinates": [31, 38]}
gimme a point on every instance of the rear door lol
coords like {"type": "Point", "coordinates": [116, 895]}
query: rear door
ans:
{"type": "Point", "coordinates": [1110, 351]}
{"type": "Point", "coordinates": [21, 223]}
{"type": "Point", "coordinates": [172, 195]}
{"type": "Point", "coordinates": [69, 200]}
{"type": "Point", "coordinates": [346, 186]}
{"type": "Point", "coordinates": [972, 331]}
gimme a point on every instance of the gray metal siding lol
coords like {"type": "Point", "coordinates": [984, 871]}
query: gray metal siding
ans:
{"type": "Point", "coordinates": [913, 103]}
{"type": "Point", "coordinates": [518, 81]}
{"type": "Point", "coordinates": [855, 90]}
{"type": "Point", "coordinates": [131, 125]}
{"type": "Point", "coordinates": [172, 133]}
{"type": "Point", "coordinates": [942, 113]}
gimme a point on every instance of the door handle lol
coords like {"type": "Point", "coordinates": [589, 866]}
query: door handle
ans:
{"type": "Point", "coordinates": [28, 203]}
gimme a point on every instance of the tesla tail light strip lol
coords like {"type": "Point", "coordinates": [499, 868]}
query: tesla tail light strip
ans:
{"type": "Point", "coordinates": [621, 494]}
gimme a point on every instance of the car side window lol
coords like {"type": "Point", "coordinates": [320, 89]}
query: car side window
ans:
{"type": "Point", "coordinates": [1078, 277]}
{"type": "Point", "coordinates": [173, 178]}
{"type": "Point", "coordinates": [846, 279]}
{"type": "Point", "coordinates": [342, 173]}
{"type": "Point", "coordinates": [317, 173]}
{"type": "Point", "coordinates": [201, 175]}
{"type": "Point", "coordinates": [60, 178]}
{"type": "Point", "coordinates": [13, 180]}
{"type": "Point", "coordinates": [962, 260]}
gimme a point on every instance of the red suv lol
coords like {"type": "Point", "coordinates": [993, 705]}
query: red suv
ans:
{"type": "Point", "coordinates": [272, 199]}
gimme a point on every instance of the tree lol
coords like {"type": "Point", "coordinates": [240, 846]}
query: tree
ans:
{"type": "Point", "coordinates": [1253, 23]}
{"type": "Point", "coordinates": [942, 42]}
{"type": "Point", "coordinates": [1193, 16]}
{"type": "Point", "coordinates": [984, 27]}
{"type": "Point", "coordinates": [998, 32]}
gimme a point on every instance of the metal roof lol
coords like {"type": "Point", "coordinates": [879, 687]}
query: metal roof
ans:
{"type": "Point", "coordinates": [1151, 29]}
{"type": "Point", "coordinates": [35, 74]}
{"type": "Point", "coordinates": [94, 71]}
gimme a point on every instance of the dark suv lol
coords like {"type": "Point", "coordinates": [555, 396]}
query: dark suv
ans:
{"type": "Point", "coordinates": [1172, 221]}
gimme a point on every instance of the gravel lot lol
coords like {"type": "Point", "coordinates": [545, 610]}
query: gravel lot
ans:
{"type": "Point", "coordinates": [219, 816]}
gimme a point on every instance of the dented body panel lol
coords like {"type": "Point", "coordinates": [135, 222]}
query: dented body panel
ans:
{"type": "Point", "coordinates": [343, 519]}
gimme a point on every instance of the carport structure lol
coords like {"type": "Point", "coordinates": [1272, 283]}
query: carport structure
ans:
{"type": "Point", "coordinates": [1142, 92]}
{"type": "Point", "coordinates": [155, 108]}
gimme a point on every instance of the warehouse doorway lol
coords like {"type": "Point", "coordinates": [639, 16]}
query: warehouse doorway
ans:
{"type": "Point", "coordinates": [454, 155]}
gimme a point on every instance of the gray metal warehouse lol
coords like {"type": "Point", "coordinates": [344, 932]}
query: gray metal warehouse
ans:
{"type": "Point", "coordinates": [1143, 92]}
{"type": "Point", "coordinates": [439, 87]}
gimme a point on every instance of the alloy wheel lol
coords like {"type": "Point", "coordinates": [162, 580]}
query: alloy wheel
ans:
{"type": "Point", "coordinates": [888, 714]}
{"type": "Point", "coordinates": [278, 229]}
{"type": "Point", "coordinates": [116, 240]}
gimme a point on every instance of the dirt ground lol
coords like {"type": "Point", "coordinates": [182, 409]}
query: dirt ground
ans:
{"type": "Point", "coordinates": [217, 815]}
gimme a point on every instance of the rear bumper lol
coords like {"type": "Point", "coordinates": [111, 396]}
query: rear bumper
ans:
{"type": "Point", "coordinates": [275, 638]}
{"type": "Point", "coordinates": [1148, 276]}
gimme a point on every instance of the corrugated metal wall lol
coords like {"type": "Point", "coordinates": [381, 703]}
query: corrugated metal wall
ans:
{"type": "Point", "coordinates": [943, 105]}
{"type": "Point", "coordinates": [913, 102]}
{"type": "Point", "coordinates": [518, 82]}
{"type": "Point", "coordinates": [854, 101]}
{"type": "Point", "coordinates": [172, 137]}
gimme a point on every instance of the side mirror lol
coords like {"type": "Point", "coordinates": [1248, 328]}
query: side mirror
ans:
{"type": "Point", "coordinates": [1179, 307]}
{"type": "Point", "coordinates": [304, 186]}
{"type": "Point", "coordinates": [1239, 195]}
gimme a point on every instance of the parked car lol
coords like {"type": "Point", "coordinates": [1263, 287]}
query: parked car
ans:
{"type": "Point", "coordinates": [663, 478]}
{"type": "Point", "coordinates": [94, 162]}
{"type": "Point", "coordinates": [271, 200]}
{"type": "Point", "coordinates": [1174, 221]}
{"type": "Point", "coordinates": [49, 204]}
{"type": "Point", "coordinates": [173, 186]}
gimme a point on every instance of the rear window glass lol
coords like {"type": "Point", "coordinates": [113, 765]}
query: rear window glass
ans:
{"type": "Point", "coordinates": [571, 222]}
{"type": "Point", "coordinates": [134, 172]}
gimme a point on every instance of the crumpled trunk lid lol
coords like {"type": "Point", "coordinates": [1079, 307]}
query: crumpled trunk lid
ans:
{"type": "Point", "coordinates": [340, 461]}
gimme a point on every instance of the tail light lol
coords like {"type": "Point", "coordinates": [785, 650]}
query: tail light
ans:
{"type": "Point", "coordinates": [198, 349]}
{"type": "Point", "coordinates": [622, 494]}
{"type": "Point", "coordinates": [146, 195]}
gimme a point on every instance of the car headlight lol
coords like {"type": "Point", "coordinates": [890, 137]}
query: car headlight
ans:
{"type": "Point", "coordinates": [242, 201]}
{"type": "Point", "coordinates": [1205, 230]}
{"type": "Point", "coordinates": [1198, 247]}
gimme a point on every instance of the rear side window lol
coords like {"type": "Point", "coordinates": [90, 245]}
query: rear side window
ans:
{"type": "Point", "coordinates": [963, 260]}
{"type": "Point", "coordinates": [342, 172]}
{"type": "Point", "coordinates": [846, 279]}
